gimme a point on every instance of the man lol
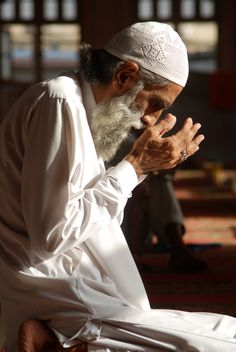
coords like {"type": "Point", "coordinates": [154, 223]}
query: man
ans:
{"type": "Point", "coordinates": [63, 257]}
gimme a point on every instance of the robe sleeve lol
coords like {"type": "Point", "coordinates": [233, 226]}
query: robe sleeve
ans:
{"type": "Point", "coordinates": [59, 213]}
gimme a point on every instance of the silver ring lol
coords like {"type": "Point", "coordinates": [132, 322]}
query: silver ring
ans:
{"type": "Point", "coordinates": [183, 156]}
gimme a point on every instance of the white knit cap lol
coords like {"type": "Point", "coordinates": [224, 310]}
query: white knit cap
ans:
{"type": "Point", "coordinates": [156, 46]}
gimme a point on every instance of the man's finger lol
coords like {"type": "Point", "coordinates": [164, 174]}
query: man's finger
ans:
{"type": "Point", "coordinates": [165, 125]}
{"type": "Point", "coordinates": [198, 139]}
{"type": "Point", "coordinates": [188, 123]}
{"type": "Point", "coordinates": [189, 129]}
{"type": "Point", "coordinates": [194, 146]}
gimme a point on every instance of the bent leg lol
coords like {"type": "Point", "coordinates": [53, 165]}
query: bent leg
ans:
{"type": "Point", "coordinates": [36, 336]}
{"type": "Point", "coordinates": [169, 330]}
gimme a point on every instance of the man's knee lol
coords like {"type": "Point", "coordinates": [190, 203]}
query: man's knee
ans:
{"type": "Point", "coordinates": [36, 336]}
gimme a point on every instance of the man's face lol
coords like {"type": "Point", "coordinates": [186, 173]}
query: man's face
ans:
{"type": "Point", "coordinates": [139, 108]}
{"type": "Point", "coordinates": [112, 121]}
{"type": "Point", "coordinates": [156, 99]}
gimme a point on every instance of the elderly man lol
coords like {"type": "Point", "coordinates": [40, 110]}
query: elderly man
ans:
{"type": "Point", "coordinates": [63, 257]}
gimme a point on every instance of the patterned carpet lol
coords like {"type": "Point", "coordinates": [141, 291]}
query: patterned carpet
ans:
{"type": "Point", "coordinates": [210, 219]}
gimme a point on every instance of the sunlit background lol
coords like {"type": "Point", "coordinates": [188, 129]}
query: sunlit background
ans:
{"type": "Point", "coordinates": [58, 44]}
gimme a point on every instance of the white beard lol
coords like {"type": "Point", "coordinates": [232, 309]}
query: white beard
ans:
{"type": "Point", "coordinates": [112, 121]}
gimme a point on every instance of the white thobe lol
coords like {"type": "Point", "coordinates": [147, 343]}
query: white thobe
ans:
{"type": "Point", "coordinates": [63, 256]}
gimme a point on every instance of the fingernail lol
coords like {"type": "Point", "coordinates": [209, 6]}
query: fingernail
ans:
{"type": "Point", "coordinates": [169, 116]}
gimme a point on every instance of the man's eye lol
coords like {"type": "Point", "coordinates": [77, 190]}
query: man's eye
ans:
{"type": "Point", "coordinates": [157, 105]}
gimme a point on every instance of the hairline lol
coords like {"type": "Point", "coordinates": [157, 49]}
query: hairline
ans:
{"type": "Point", "coordinates": [99, 66]}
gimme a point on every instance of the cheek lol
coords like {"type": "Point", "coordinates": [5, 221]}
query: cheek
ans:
{"type": "Point", "coordinates": [142, 102]}
{"type": "Point", "coordinates": [142, 106]}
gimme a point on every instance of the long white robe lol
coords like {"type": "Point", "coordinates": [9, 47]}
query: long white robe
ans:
{"type": "Point", "coordinates": [63, 256]}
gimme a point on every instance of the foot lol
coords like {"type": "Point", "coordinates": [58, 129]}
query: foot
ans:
{"type": "Point", "coordinates": [186, 262]}
{"type": "Point", "coordinates": [182, 259]}
{"type": "Point", "coordinates": [36, 336]}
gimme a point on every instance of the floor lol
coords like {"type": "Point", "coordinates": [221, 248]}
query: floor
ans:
{"type": "Point", "coordinates": [209, 206]}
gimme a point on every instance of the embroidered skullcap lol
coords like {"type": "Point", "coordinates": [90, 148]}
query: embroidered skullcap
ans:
{"type": "Point", "coordinates": [155, 46]}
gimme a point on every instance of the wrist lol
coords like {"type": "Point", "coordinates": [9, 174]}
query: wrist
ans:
{"type": "Point", "coordinates": [134, 162]}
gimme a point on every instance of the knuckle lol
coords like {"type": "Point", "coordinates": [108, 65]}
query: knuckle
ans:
{"type": "Point", "coordinates": [175, 154]}
{"type": "Point", "coordinates": [150, 132]}
{"type": "Point", "coordinates": [170, 145]}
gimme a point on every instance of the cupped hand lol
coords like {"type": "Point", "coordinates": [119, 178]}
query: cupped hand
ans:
{"type": "Point", "coordinates": [152, 151]}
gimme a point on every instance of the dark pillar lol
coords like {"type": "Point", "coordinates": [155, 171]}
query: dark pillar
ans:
{"type": "Point", "coordinates": [100, 19]}
{"type": "Point", "coordinates": [227, 35]}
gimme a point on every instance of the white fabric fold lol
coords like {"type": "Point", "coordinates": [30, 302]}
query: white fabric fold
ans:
{"type": "Point", "coordinates": [63, 256]}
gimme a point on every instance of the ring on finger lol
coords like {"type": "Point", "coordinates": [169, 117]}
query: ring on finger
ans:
{"type": "Point", "coordinates": [183, 155]}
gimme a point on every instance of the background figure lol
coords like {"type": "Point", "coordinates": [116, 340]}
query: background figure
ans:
{"type": "Point", "coordinates": [166, 221]}
{"type": "Point", "coordinates": [154, 214]}
{"type": "Point", "coordinates": [163, 207]}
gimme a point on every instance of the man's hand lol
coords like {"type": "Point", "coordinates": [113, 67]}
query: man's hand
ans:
{"type": "Point", "coordinates": [153, 152]}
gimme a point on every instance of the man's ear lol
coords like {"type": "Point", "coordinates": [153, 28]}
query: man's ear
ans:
{"type": "Point", "coordinates": [125, 77]}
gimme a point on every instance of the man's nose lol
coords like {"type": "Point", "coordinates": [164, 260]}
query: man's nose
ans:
{"type": "Point", "coordinates": [150, 119]}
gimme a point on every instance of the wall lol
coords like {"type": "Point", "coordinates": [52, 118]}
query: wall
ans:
{"type": "Point", "coordinates": [101, 19]}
